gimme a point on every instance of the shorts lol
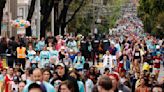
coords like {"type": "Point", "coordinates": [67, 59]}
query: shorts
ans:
{"type": "Point", "coordinates": [80, 69]}
{"type": "Point", "coordinates": [156, 70]}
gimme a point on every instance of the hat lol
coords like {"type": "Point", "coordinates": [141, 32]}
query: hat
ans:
{"type": "Point", "coordinates": [60, 64]}
{"type": "Point", "coordinates": [157, 47]}
{"type": "Point", "coordinates": [62, 47]}
{"type": "Point", "coordinates": [158, 53]}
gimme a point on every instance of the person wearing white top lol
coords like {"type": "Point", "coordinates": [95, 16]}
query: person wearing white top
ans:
{"type": "Point", "coordinates": [107, 61]}
{"type": "Point", "coordinates": [89, 85]}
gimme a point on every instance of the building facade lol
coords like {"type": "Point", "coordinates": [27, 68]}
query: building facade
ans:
{"type": "Point", "coordinates": [9, 14]}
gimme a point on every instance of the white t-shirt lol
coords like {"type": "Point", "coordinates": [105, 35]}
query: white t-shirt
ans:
{"type": "Point", "coordinates": [89, 85]}
{"type": "Point", "coordinates": [107, 61]}
{"type": "Point", "coordinates": [14, 87]}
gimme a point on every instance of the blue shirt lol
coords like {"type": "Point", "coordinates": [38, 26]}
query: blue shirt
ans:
{"type": "Point", "coordinates": [54, 53]}
{"type": "Point", "coordinates": [49, 87]}
{"type": "Point", "coordinates": [41, 44]}
{"type": "Point", "coordinates": [44, 55]}
{"type": "Point", "coordinates": [37, 58]}
{"type": "Point", "coordinates": [79, 62]}
{"type": "Point", "coordinates": [1, 78]}
{"type": "Point", "coordinates": [31, 55]}
{"type": "Point", "coordinates": [72, 57]}
{"type": "Point", "coordinates": [81, 86]}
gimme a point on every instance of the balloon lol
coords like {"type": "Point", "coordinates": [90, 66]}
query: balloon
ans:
{"type": "Point", "coordinates": [17, 20]}
{"type": "Point", "coordinates": [17, 25]}
{"type": "Point", "coordinates": [22, 25]}
{"type": "Point", "coordinates": [22, 21]}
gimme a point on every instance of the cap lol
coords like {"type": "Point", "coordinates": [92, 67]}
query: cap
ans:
{"type": "Point", "coordinates": [60, 64]}
{"type": "Point", "coordinates": [157, 47]}
{"type": "Point", "coordinates": [158, 53]}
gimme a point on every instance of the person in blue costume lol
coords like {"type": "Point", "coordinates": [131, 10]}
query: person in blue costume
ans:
{"type": "Point", "coordinates": [38, 78]}
{"type": "Point", "coordinates": [37, 57]}
{"type": "Point", "coordinates": [36, 60]}
{"type": "Point", "coordinates": [37, 46]}
{"type": "Point", "coordinates": [79, 62]}
{"type": "Point", "coordinates": [30, 56]}
{"type": "Point", "coordinates": [41, 44]}
{"type": "Point", "coordinates": [54, 56]}
{"type": "Point", "coordinates": [44, 57]}
{"type": "Point", "coordinates": [54, 52]}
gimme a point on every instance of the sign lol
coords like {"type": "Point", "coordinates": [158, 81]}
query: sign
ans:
{"type": "Point", "coordinates": [21, 31]}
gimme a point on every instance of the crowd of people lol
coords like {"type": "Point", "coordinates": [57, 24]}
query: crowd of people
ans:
{"type": "Point", "coordinates": [125, 60]}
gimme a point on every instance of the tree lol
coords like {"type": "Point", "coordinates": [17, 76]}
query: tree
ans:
{"type": "Point", "coordinates": [46, 8]}
{"type": "Point", "coordinates": [29, 17]}
{"type": "Point", "coordinates": [62, 21]}
{"type": "Point", "coordinates": [158, 30]}
{"type": "Point", "coordinates": [86, 17]}
{"type": "Point", "coordinates": [2, 5]}
{"type": "Point", "coordinates": [149, 11]}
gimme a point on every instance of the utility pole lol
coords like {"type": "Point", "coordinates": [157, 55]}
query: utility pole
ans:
{"type": "Point", "coordinates": [38, 19]}
{"type": "Point", "coordinates": [52, 21]}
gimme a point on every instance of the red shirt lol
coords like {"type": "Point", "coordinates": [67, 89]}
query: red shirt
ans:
{"type": "Point", "coordinates": [7, 82]}
{"type": "Point", "coordinates": [157, 62]}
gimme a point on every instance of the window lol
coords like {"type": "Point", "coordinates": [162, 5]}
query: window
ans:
{"type": "Point", "coordinates": [20, 13]}
{"type": "Point", "coordinates": [105, 2]}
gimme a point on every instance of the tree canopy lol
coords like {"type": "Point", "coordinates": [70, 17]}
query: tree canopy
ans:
{"type": "Point", "coordinates": [151, 13]}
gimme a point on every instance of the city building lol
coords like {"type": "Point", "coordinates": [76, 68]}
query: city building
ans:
{"type": "Point", "coordinates": [9, 14]}
{"type": "Point", "coordinates": [22, 13]}
{"type": "Point", "coordinates": [22, 9]}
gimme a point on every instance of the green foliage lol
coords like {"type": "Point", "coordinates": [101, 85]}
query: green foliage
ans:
{"type": "Point", "coordinates": [159, 26]}
{"type": "Point", "coordinates": [150, 11]}
{"type": "Point", "coordinates": [87, 16]}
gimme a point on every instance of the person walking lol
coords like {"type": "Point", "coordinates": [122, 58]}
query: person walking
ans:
{"type": "Point", "coordinates": [21, 55]}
